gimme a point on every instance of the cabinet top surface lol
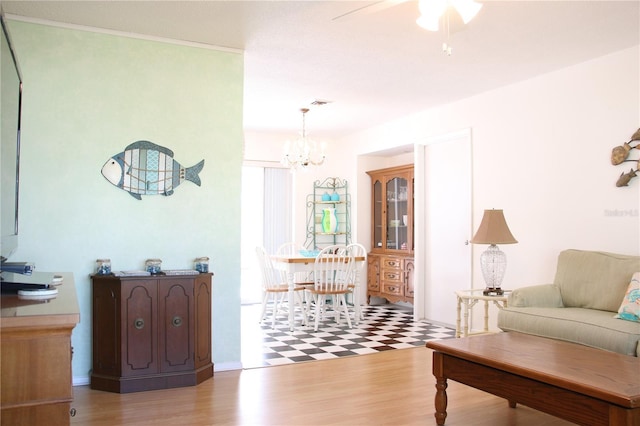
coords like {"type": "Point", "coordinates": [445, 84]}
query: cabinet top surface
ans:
{"type": "Point", "coordinates": [396, 169]}
{"type": "Point", "coordinates": [60, 310]}
{"type": "Point", "coordinates": [154, 277]}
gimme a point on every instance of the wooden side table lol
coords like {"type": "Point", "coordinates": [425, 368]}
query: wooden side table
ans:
{"type": "Point", "coordinates": [36, 351]}
{"type": "Point", "coordinates": [469, 298]}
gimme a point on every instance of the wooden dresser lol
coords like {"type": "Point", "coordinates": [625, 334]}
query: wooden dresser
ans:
{"type": "Point", "coordinates": [390, 277]}
{"type": "Point", "coordinates": [151, 332]}
{"type": "Point", "coordinates": [36, 357]}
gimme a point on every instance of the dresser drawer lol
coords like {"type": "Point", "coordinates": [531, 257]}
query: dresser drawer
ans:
{"type": "Point", "coordinates": [391, 263]}
{"type": "Point", "coordinates": [395, 288]}
{"type": "Point", "coordinates": [392, 276]}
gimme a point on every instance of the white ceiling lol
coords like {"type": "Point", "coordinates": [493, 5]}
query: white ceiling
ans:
{"type": "Point", "coordinates": [373, 67]}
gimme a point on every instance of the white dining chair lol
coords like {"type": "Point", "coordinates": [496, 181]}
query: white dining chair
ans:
{"type": "Point", "coordinates": [358, 251]}
{"type": "Point", "coordinates": [276, 289]}
{"type": "Point", "coordinates": [333, 275]}
{"type": "Point", "coordinates": [302, 279]}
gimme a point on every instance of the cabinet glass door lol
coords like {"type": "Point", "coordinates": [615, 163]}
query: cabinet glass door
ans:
{"type": "Point", "coordinates": [397, 202]}
{"type": "Point", "coordinates": [377, 214]}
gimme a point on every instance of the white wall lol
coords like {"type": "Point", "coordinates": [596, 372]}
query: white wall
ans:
{"type": "Point", "coordinates": [541, 152]}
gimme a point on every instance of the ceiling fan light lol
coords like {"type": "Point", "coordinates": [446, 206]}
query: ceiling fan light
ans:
{"type": "Point", "coordinates": [467, 9]}
{"type": "Point", "coordinates": [428, 23]}
{"type": "Point", "coordinates": [432, 8]}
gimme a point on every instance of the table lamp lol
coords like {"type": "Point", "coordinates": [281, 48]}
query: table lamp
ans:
{"type": "Point", "coordinates": [493, 262]}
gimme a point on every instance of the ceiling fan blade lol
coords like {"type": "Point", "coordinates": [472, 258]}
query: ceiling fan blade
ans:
{"type": "Point", "coordinates": [369, 8]}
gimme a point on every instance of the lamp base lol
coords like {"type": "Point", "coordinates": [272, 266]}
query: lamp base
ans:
{"type": "Point", "coordinates": [493, 262]}
{"type": "Point", "coordinates": [493, 291]}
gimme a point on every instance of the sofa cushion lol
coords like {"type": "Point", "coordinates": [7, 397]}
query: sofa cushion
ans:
{"type": "Point", "coordinates": [595, 280]}
{"type": "Point", "coordinates": [588, 327]}
{"type": "Point", "coordinates": [541, 296]}
{"type": "Point", "coordinates": [630, 308]}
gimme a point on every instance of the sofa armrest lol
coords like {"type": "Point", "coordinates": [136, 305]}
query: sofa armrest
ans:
{"type": "Point", "coordinates": [540, 296]}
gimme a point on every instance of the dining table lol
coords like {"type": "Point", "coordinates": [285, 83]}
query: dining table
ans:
{"type": "Point", "coordinates": [294, 263]}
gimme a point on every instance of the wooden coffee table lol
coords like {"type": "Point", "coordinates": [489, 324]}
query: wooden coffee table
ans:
{"type": "Point", "coordinates": [583, 385]}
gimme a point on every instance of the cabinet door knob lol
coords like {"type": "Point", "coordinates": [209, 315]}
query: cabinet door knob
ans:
{"type": "Point", "coordinates": [139, 323]}
{"type": "Point", "coordinates": [176, 321]}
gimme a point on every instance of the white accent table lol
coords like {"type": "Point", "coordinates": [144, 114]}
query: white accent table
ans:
{"type": "Point", "coordinates": [468, 299]}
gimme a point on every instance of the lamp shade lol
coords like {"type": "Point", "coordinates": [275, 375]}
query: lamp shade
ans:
{"type": "Point", "coordinates": [493, 229]}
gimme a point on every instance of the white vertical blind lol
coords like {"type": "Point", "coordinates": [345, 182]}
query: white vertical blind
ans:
{"type": "Point", "coordinates": [251, 233]}
{"type": "Point", "coordinates": [266, 221]}
{"type": "Point", "coordinates": [278, 218]}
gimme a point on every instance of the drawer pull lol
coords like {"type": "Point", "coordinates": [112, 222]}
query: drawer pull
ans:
{"type": "Point", "coordinates": [72, 412]}
{"type": "Point", "coordinates": [138, 323]}
{"type": "Point", "coordinates": [176, 321]}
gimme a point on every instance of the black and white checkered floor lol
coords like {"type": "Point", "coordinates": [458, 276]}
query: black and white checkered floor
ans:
{"type": "Point", "coordinates": [384, 327]}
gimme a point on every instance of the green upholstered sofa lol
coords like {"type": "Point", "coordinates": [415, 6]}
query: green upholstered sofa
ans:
{"type": "Point", "coordinates": [581, 304]}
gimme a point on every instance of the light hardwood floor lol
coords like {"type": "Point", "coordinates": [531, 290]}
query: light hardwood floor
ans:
{"type": "Point", "coordinates": [388, 388]}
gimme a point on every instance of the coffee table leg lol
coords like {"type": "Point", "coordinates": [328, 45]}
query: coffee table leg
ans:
{"type": "Point", "coordinates": [441, 388]}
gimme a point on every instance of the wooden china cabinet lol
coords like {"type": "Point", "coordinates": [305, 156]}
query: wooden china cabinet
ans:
{"type": "Point", "coordinates": [390, 262]}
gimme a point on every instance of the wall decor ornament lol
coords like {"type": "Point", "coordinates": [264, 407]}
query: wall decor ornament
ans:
{"type": "Point", "coordinates": [144, 168]}
{"type": "Point", "coordinates": [620, 154]}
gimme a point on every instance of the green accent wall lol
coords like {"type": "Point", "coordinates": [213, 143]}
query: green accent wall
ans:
{"type": "Point", "coordinates": [88, 95]}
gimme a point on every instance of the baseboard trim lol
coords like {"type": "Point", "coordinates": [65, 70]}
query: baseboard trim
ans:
{"type": "Point", "coordinates": [226, 366]}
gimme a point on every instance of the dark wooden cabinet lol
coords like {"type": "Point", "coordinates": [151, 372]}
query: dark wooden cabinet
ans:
{"type": "Point", "coordinates": [390, 270]}
{"type": "Point", "coordinates": [151, 332]}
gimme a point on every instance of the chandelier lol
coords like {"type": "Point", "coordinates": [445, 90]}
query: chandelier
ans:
{"type": "Point", "coordinates": [303, 151]}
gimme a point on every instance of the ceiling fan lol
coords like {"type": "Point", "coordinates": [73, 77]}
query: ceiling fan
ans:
{"type": "Point", "coordinates": [376, 6]}
{"type": "Point", "coordinates": [431, 10]}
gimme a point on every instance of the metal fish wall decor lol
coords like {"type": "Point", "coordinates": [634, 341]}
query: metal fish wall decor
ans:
{"type": "Point", "coordinates": [144, 168]}
{"type": "Point", "coordinates": [620, 154]}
